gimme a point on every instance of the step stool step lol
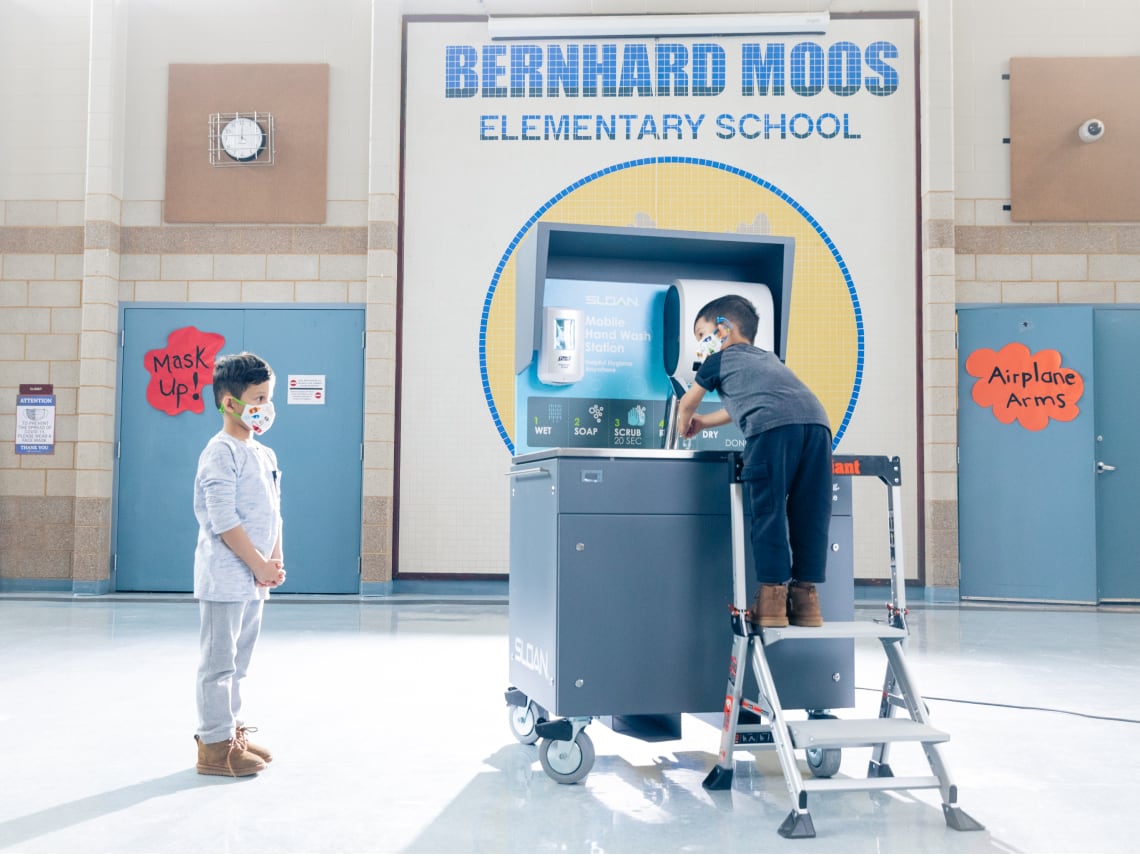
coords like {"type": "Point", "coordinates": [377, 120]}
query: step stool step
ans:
{"type": "Point", "coordinates": [833, 630]}
{"type": "Point", "coordinates": [837, 733]}
{"type": "Point", "coordinates": [890, 783]}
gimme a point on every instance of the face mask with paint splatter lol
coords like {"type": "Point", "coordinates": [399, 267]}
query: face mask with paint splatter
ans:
{"type": "Point", "coordinates": [256, 417]}
{"type": "Point", "coordinates": [708, 346]}
{"type": "Point", "coordinates": [712, 343]}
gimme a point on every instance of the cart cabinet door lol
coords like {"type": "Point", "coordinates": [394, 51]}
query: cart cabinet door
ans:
{"type": "Point", "coordinates": [642, 613]}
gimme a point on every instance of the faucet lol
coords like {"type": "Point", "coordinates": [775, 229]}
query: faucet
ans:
{"type": "Point", "coordinates": [676, 390]}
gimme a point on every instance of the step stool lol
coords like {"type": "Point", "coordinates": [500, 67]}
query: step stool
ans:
{"type": "Point", "coordinates": [761, 723]}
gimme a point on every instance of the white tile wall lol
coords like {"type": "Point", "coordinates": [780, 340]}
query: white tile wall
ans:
{"type": "Point", "coordinates": [296, 31]}
{"type": "Point", "coordinates": [142, 213]}
{"type": "Point", "coordinates": [987, 33]}
{"type": "Point", "coordinates": [293, 267]}
{"type": "Point", "coordinates": [214, 292]}
{"type": "Point", "coordinates": [37, 213]}
{"type": "Point", "coordinates": [239, 267]}
{"type": "Point", "coordinates": [46, 68]}
{"type": "Point", "coordinates": [1115, 267]}
{"type": "Point", "coordinates": [1075, 267]}
{"type": "Point", "coordinates": [321, 292]}
{"type": "Point", "coordinates": [43, 90]}
{"type": "Point", "coordinates": [1002, 267]}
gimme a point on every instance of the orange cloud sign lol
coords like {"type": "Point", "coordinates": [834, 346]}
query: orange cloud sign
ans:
{"type": "Point", "coordinates": [1031, 388]}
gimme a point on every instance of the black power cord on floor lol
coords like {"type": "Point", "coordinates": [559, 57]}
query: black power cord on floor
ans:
{"type": "Point", "coordinates": [1018, 707]}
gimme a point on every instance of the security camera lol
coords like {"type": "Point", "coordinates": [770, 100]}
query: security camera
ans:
{"type": "Point", "coordinates": [1091, 130]}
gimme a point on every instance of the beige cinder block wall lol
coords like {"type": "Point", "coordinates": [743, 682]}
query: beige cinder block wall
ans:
{"type": "Point", "coordinates": [44, 60]}
{"type": "Point", "coordinates": [82, 233]}
{"type": "Point", "coordinates": [40, 318]}
{"type": "Point", "coordinates": [81, 229]}
{"type": "Point", "coordinates": [939, 367]}
{"type": "Point", "coordinates": [998, 261]}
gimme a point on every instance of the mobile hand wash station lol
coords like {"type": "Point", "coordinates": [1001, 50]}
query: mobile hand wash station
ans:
{"type": "Point", "coordinates": [628, 556]}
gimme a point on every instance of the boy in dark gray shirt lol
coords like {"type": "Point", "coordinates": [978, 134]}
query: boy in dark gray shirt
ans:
{"type": "Point", "coordinates": [237, 500]}
{"type": "Point", "coordinates": [787, 458]}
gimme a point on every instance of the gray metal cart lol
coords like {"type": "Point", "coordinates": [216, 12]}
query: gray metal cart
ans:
{"type": "Point", "coordinates": [619, 589]}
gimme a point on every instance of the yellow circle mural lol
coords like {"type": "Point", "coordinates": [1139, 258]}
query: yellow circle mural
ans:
{"type": "Point", "coordinates": [825, 329]}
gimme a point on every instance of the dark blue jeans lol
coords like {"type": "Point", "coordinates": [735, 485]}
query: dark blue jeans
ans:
{"type": "Point", "coordinates": [787, 474]}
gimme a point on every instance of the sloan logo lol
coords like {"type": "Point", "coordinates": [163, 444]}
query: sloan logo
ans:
{"type": "Point", "coordinates": [611, 300]}
{"type": "Point", "coordinates": [532, 657]}
{"type": "Point", "coordinates": [1028, 388]}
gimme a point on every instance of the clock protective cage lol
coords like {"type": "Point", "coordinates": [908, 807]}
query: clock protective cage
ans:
{"type": "Point", "coordinates": [263, 155]}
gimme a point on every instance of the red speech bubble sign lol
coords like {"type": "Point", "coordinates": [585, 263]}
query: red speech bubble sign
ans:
{"type": "Point", "coordinates": [179, 371]}
{"type": "Point", "coordinates": [1031, 388]}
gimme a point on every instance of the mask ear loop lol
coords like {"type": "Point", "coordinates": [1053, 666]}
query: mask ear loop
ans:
{"type": "Point", "coordinates": [222, 406]}
{"type": "Point", "coordinates": [721, 320]}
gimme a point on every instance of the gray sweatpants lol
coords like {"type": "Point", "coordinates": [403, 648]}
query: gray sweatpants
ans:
{"type": "Point", "coordinates": [228, 636]}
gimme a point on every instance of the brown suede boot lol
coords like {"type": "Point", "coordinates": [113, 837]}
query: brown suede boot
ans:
{"type": "Point", "coordinates": [226, 758]}
{"type": "Point", "coordinates": [770, 606]}
{"type": "Point", "coordinates": [241, 735]}
{"type": "Point", "coordinates": [804, 611]}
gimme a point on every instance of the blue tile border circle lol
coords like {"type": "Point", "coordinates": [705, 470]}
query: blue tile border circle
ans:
{"type": "Point", "coordinates": [755, 179]}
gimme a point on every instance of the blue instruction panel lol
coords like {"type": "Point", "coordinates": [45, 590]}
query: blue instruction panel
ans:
{"type": "Point", "coordinates": [622, 396]}
{"type": "Point", "coordinates": [595, 423]}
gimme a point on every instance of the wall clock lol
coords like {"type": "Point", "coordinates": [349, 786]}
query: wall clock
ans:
{"type": "Point", "coordinates": [224, 160]}
{"type": "Point", "coordinates": [241, 138]}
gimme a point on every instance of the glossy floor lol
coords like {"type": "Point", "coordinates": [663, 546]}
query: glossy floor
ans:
{"type": "Point", "coordinates": [390, 734]}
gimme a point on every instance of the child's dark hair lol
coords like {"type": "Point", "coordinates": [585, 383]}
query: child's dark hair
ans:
{"type": "Point", "coordinates": [235, 373]}
{"type": "Point", "coordinates": [739, 311]}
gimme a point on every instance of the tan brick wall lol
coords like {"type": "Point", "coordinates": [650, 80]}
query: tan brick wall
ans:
{"type": "Point", "coordinates": [380, 390]}
{"type": "Point", "coordinates": [37, 537]}
{"type": "Point", "coordinates": [940, 375]}
{"type": "Point", "coordinates": [41, 256]}
{"type": "Point", "coordinates": [74, 248]}
{"type": "Point", "coordinates": [1002, 262]}
{"type": "Point", "coordinates": [59, 317]}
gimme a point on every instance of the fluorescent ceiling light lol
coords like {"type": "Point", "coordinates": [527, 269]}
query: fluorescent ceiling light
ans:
{"type": "Point", "coordinates": [610, 26]}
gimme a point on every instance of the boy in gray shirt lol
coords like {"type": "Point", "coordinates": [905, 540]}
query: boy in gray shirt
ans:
{"type": "Point", "coordinates": [787, 458]}
{"type": "Point", "coordinates": [237, 500]}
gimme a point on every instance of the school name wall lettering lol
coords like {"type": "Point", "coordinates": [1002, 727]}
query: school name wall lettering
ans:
{"type": "Point", "coordinates": [586, 127]}
{"type": "Point", "coordinates": [667, 69]}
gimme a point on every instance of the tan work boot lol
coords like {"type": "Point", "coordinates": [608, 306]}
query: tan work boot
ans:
{"type": "Point", "coordinates": [770, 606]}
{"type": "Point", "coordinates": [804, 609]}
{"type": "Point", "coordinates": [241, 735]}
{"type": "Point", "coordinates": [226, 758]}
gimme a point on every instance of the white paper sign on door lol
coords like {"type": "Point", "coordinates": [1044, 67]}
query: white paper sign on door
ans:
{"type": "Point", "coordinates": [306, 389]}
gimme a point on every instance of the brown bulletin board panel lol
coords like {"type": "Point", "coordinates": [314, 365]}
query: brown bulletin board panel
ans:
{"type": "Point", "coordinates": [290, 190]}
{"type": "Point", "coordinates": [1053, 174]}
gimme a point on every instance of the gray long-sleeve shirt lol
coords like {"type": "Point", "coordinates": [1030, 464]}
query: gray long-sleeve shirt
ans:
{"type": "Point", "coordinates": [237, 483]}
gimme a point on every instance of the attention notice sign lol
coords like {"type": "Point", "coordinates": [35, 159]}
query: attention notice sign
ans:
{"type": "Point", "coordinates": [35, 419]}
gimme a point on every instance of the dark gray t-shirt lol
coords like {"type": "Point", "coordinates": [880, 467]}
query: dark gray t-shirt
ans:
{"type": "Point", "coordinates": [760, 392]}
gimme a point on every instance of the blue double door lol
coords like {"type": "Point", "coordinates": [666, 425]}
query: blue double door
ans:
{"type": "Point", "coordinates": [1051, 514]}
{"type": "Point", "coordinates": [318, 446]}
